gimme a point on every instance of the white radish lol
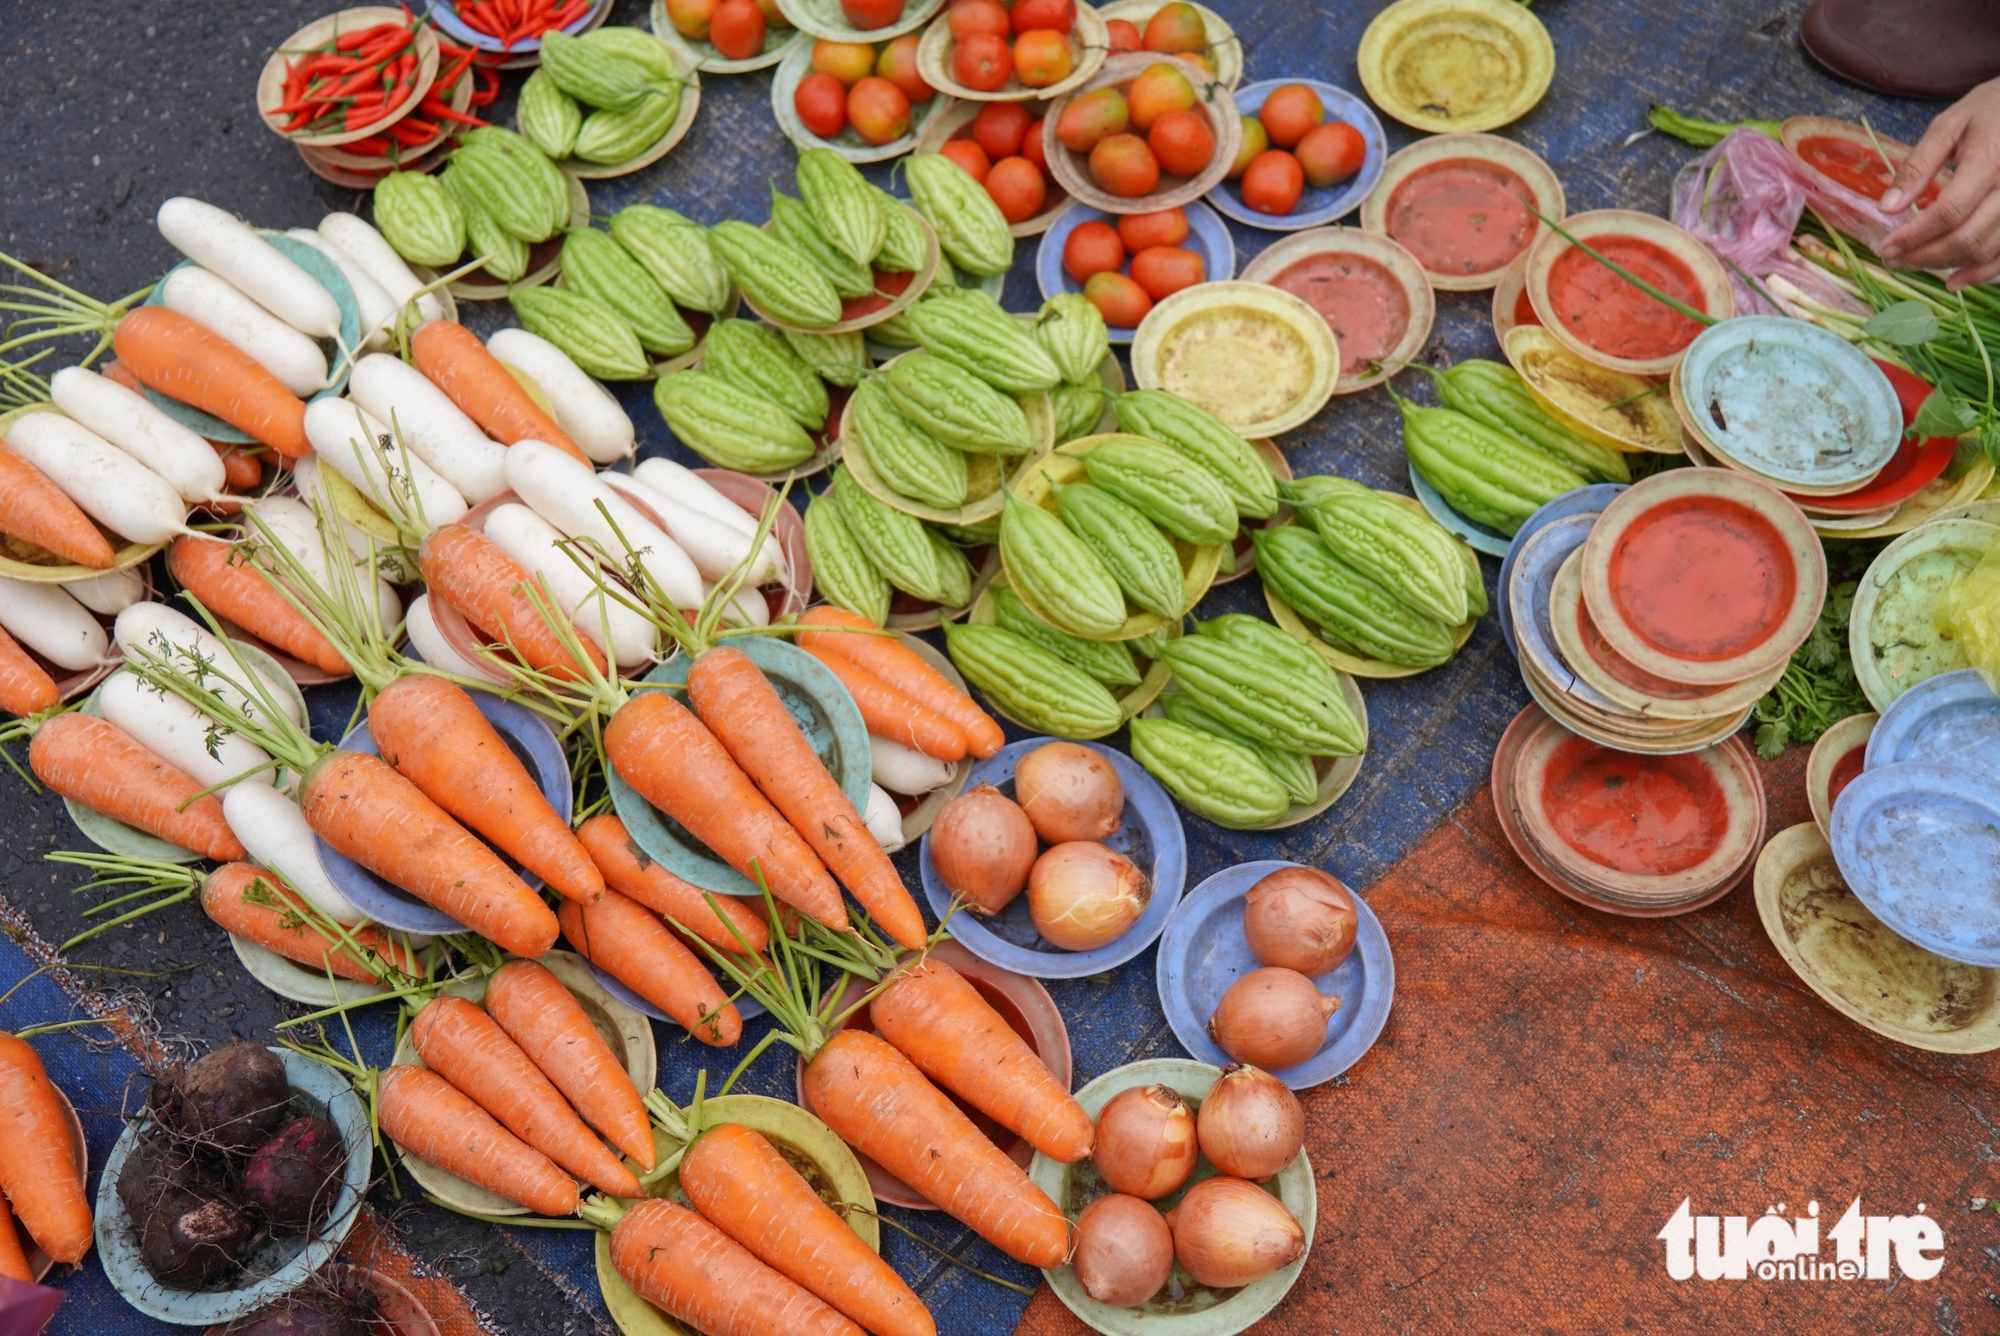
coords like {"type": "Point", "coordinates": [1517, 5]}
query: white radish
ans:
{"type": "Point", "coordinates": [275, 835]}
{"type": "Point", "coordinates": [395, 481]}
{"type": "Point", "coordinates": [395, 564]}
{"type": "Point", "coordinates": [378, 259]}
{"type": "Point", "coordinates": [132, 423]}
{"type": "Point", "coordinates": [748, 607]}
{"type": "Point", "coordinates": [108, 595]}
{"type": "Point", "coordinates": [291, 523]}
{"type": "Point", "coordinates": [583, 408]}
{"type": "Point", "coordinates": [163, 633]}
{"type": "Point", "coordinates": [901, 769]}
{"type": "Point", "coordinates": [111, 486]}
{"type": "Point", "coordinates": [429, 641]}
{"type": "Point", "coordinates": [181, 735]}
{"type": "Point", "coordinates": [436, 429]}
{"type": "Point", "coordinates": [692, 490]}
{"type": "Point", "coordinates": [884, 820]}
{"type": "Point", "coordinates": [378, 309]}
{"type": "Point", "coordinates": [48, 621]}
{"type": "Point", "coordinates": [715, 548]}
{"type": "Point", "coordinates": [220, 242]}
{"type": "Point", "coordinates": [563, 491]}
{"type": "Point", "coordinates": [209, 300]}
{"type": "Point", "coordinates": [614, 628]}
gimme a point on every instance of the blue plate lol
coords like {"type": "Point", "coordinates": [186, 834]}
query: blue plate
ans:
{"type": "Point", "coordinates": [1590, 500]}
{"type": "Point", "coordinates": [1204, 952]}
{"type": "Point", "coordinates": [1952, 719]}
{"type": "Point", "coordinates": [1534, 578]}
{"type": "Point", "coordinates": [530, 739]}
{"type": "Point", "coordinates": [284, 1264]}
{"type": "Point", "coordinates": [446, 17]}
{"type": "Point", "coordinates": [1149, 833]}
{"type": "Point", "coordinates": [1317, 205]}
{"type": "Point", "coordinates": [821, 707]}
{"type": "Point", "coordinates": [1208, 237]}
{"type": "Point", "coordinates": [1490, 541]}
{"type": "Point", "coordinates": [747, 1007]}
{"type": "Point", "coordinates": [1919, 844]}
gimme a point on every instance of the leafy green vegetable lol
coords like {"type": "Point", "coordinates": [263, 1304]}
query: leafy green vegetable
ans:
{"type": "Point", "coordinates": [1942, 415]}
{"type": "Point", "coordinates": [1903, 324]}
{"type": "Point", "coordinates": [1818, 689]}
{"type": "Point", "coordinates": [1701, 133]}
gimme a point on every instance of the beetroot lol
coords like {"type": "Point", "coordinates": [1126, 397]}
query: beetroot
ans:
{"type": "Point", "coordinates": [233, 1099]}
{"type": "Point", "coordinates": [160, 1162]}
{"type": "Point", "coordinates": [298, 1316]}
{"type": "Point", "coordinates": [189, 1239]}
{"type": "Point", "coordinates": [295, 1177]}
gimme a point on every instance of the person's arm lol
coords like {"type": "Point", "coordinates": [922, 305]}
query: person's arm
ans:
{"type": "Point", "coordinates": [1960, 229]}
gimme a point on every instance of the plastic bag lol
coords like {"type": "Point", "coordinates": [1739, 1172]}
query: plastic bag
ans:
{"type": "Point", "coordinates": [25, 1309]}
{"type": "Point", "coordinates": [1969, 612]}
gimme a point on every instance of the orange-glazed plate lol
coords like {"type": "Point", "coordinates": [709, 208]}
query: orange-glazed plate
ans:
{"type": "Point", "coordinates": [1465, 206]}
{"type": "Point", "coordinates": [1603, 318]}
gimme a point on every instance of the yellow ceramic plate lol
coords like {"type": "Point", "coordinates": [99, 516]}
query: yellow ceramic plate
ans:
{"type": "Point", "coordinates": [1625, 412]}
{"type": "Point", "coordinates": [1258, 358]}
{"type": "Point", "coordinates": [1443, 65]}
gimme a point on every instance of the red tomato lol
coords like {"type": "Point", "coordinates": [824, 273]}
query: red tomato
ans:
{"type": "Point", "coordinates": [898, 64]}
{"type": "Point", "coordinates": [1183, 142]}
{"type": "Point", "coordinates": [1033, 148]}
{"type": "Point", "coordinates": [1176, 28]}
{"type": "Point", "coordinates": [1124, 35]}
{"type": "Point", "coordinates": [878, 110]}
{"type": "Point", "coordinates": [1093, 248]}
{"type": "Point", "coordinates": [1090, 118]}
{"type": "Point", "coordinates": [1121, 302]}
{"type": "Point", "coordinates": [1042, 57]}
{"type": "Point", "coordinates": [1272, 182]}
{"type": "Point", "coordinates": [822, 104]}
{"type": "Point", "coordinates": [692, 17]}
{"type": "Point", "coordinates": [1016, 185]}
{"type": "Point", "coordinates": [869, 15]}
{"type": "Point", "coordinates": [737, 30]}
{"type": "Point", "coordinates": [1167, 227]}
{"type": "Point", "coordinates": [1123, 165]}
{"type": "Point", "coordinates": [1028, 15]}
{"type": "Point", "coordinates": [969, 156]}
{"type": "Point", "coordinates": [1289, 112]}
{"type": "Point", "coordinates": [1159, 89]}
{"type": "Point", "coordinates": [1165, 270]}
{"type": "Point", "coordinates": [982, 62]}
{"type": "Point", "coordinates": [1331, 153]}
{"type": "Point", "coordinates": [999, 127]}
{"type": "Point", "coordinates": [849, 62]}
{"type": "Point", "coordinates": [978, 16]}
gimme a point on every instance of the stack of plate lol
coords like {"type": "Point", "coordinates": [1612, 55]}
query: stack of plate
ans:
{"type": "Point", "coordinates": [1653, 619]}
{"type": "Point", "coordinates": [1625, 833]}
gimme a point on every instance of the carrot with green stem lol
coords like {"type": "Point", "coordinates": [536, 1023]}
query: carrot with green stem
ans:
{"type": "Point", "coordinates": [222, 576]}
{"type": "Point", "coordinates": [454, 360]}
{"type": "Point", "coordinates": [541, 1015]}
{"type": "Point", "coordinates": [35, 510]}
{"type": "Point", "coordinates": [631, 944]}
{"type": "Point", "coordinates": [433, 1120]}
{"type": "Point", "coordinates": [99, 765]}
{"type": "Point", "coordinates": [469, 572]}
{"type": "Point", "coordinates": [729, 925]}
{"type": "Point", "coordinates": [827, 630]}
{"type": "Point", "coordinates": [39, 1172]}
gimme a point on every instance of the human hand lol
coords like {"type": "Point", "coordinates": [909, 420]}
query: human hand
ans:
{"type": "Point", "coordinates": [1960, 229]}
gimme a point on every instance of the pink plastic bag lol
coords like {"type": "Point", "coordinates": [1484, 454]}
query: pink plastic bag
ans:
{"type": "Point", "coordinates": [25, 1309]}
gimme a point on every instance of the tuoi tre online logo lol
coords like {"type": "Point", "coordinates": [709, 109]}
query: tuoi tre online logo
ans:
{"type": "Point", "coordinates": [1774, 1248]}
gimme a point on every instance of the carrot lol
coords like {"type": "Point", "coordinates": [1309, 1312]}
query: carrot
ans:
{"type": "Point", "coordinates": [900, 667]}
{"type": "Point", "coordinates": [100, 765]}
{"type": "Point", "coordinates": [117, 371]}
{"type": "Point", "coordinates": [742, 1185]}
{"type": "Point", "coordinates": [741, 707]}
{"type": "Point", "coordinates": [631, 872]}
{"type": "Point", "coordinates": [955, 1037]}
{"type": "Point", "coordinates": [473, 575]}
{"type": "Point", "coordinates": [678, 1262]}
{"type": "Point", "coordinates": [39, 1170]}
{"type": "Point", "coordinates": [468, 1048]}
{"type": "Point", "coordinates": [248, 902]}
{"type": "Point", "coordinates": [435, 736]}
{"type": "Point", "coordinates": [531, 1004]}
{"type": "Point", "coordinates": [431, 1120]}
{"type": "Point", "coordinates": [359, 804]}
{"type": "Point", "coordinates": [658, 747]}
{"type": "Point", "coordinates": [25, 687]}
{"type": "Point", "coordinates": [890, 714]}
{"type": "Point", "coordinates": [880, 1104]}
{"type": "Point", "coordinates": [454, 360]}
{"type": "Point", "coordinates": [240, 469]}
{"type": "Point", "coordinates": [220, 576]}
{"type": "Point", "coordinates": [13, 1261]}
{"type": "Point", "coordinates": [35, 510]}
{"type": "Point", "coordinates": [625, 940]}
{"type": "Point", "coordinates": [185, 360]}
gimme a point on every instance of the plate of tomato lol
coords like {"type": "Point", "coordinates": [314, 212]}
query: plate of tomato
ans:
{"type": "Point", "coordinates": [863, 101]}
{"type": "Point", "coordinates": [1311, 152]}
{"type": "Point", "coordinates": [1124, 263]}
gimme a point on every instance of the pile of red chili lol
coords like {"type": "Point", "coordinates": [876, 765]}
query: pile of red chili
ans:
{"type": "Point", "coordinates": [370, 75]}
{"type": "Point", "coordinates": [511, 22]}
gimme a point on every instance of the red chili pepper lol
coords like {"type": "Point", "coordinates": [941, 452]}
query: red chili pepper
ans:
{"type": "Point", "coordinates": [374, 146]}
{"type": "Point", "coordinates": [489, 85]}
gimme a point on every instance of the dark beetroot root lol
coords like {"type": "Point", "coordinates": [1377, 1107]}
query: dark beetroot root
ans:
{"type": "Point", "coordinates": [233, 1099]}
{"type": "Point", "coordinates": [161, 1162]}
{"type": "Point", "coordinates": [295, 1177]}
{"type": "Point", "coordinates": [190, 1240]}
{"type": "Point", "coordinates": [310, 1315]}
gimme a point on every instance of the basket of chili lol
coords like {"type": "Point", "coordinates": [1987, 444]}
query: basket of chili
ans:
{"type": "Point", "coordinates": [350, 77]}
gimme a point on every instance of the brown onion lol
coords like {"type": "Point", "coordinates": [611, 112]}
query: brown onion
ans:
{"type": "Point", "coordinates": [1082, 895]}
{"type": "Point", "coordinates": [1250, 1123]}
{"type": "Point", "coordinates": [984, 848]}
{"type": "Point", "coordinates": [1145, 1141]}
{"type": "Point", "coordinates": [1070, 792]}
{"type": "Point", "coordinates": [1271, 1018]}
{"type": "Point", "coordinates": [1228, 1233]}
{"type": "Point", "coordinates": [1299, 918]}
{"type": "Point", "coordinates": [1124, 1250]}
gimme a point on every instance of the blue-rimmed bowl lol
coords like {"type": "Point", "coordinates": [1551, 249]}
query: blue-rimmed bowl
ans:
{"type": "Point", "coordinates": [1482, 539]}
{"type": "Point", "coordinates": [1953, 719]}
{"type": "Point", "coordinates": [1919, 844]}
{"type": "Point", "coordinates": [1149, 833]}
{"type": "Point", "coordinates": [1204, 952]}
{"type": "Point", "coordinates": [1590, 500]}
{"type": "Point", "coordinates": [1318, 205]}
{"type": "Point", "coordinates": [284, 1264]}
{"type": "Point", "coordinates": [445, 16]}
{"type": "Point", "coordinates": [1207, 237]}
{"type": "Point", "coordinates": [533, 743]}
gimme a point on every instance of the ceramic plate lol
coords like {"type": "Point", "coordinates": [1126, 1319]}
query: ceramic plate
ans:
{"type": "Point", "coordinates": [1840, 754]}
{"type": "Point", "coordinates": [1590, 500]}
{"type": "Point", "coordinates": [1474, 173]}
{"type": "Point", "coordinates": [1953, 719]}
{"type": "Point", "coordinates": [1892, 631]}
{"type": "Point", "coordinates": [1919, 844]}
{"type": "Point", "coordinates": [1600, 229]}
{"type": "Point", "coordinates": [1482, 539]}
{"type": "Point", "coordinates": [1439, 65]}
{"type": "Point", "coordinates": [1361, 252]}
{"type": "Point", "coordinates": [1255, 356]}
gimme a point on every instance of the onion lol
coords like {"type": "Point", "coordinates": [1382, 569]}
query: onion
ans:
{"type": "Point", "coordinates": [1145, 1141]}
{"type": "Point", "coordinates": [1070, 792]}
{"type": "Point", "coordinates": [983, 847]}
{"type": "Point", "coordinates": [1250, 1124]}
{"type": "Point", "coordinates": [1271, 1018]}
{"type": "Point", "coordinates": [1083, 896]}
{"type": "Point", "coordinates": [1228, 1233]}
{"type": "Point", "coordinates": [1124, 1250]}
{"type": "Point", "coordinates": [1299, 918]}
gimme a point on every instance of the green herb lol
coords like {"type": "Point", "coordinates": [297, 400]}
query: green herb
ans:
{"type": "Point", "coordinates": [1903, 324]}
{"type": "Point", "coordinates": [1818, 689]}
{"type": "Point", "coordinates": [1701, 133]}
